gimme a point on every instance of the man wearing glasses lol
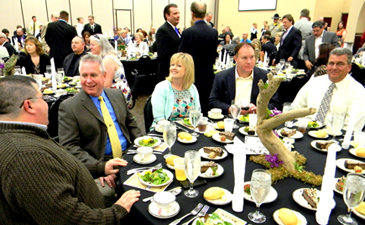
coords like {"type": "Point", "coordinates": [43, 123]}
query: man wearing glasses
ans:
{"type": "Point", "coordinates": [84, 127]}
{"type": "Point", "coordinates": [41, 183]}
{"type": "Point", "coordinates": [338, 90]}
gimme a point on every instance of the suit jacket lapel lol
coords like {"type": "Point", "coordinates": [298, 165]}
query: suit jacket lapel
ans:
{"type": "Point", "coordinates": [172, 31]}
{"type": "Point", "coordinates": [90, 106]}
{"type": "Point", "coordinates": [231, 82]}
{"type": "Point", "coordinates": [255, 88]}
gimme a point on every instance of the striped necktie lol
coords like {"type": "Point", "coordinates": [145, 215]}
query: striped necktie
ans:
{"type": "Point", "coordinates": [325, 104]}
{"type": "Point", "coordinates": [112, 131]}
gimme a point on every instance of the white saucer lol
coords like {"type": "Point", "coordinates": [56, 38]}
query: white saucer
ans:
{"type": "Point", "coordinates": [228, 199]}
{"type": "Point", "coordinates": [137, 159]}
{"type": "Point", "coordinates": [170, 167]}
{"type": "Point", "coordinates": [221, 116]}
{"type": "Point", "coordinates": [300, 217]}
{"type": "Point", "coordinates": [313, 134]}
{"type": "Point", "coordinates": [273, 195]}
{"type": "Point", "coordinates": [153, 210]}
{"type": "Point", "coordinates": [184, 141]}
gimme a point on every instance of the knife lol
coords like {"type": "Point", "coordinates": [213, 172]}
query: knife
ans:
{"type": "Point", "coordinates": [175, 191]}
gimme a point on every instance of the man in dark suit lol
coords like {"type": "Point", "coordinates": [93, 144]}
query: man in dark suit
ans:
{"type": "Point", "coordinates": [267, 47]}
{"type": "Point", "coordinates": [59, 37]}
{"type": "Point", "coordinates": [240, 83]}
{"type": "Point", "coordinates": [290, 43]}
{"type": "Point", "coordinates": [71, 63]}
{"type": "Point", "coordinates": [167, 40]}
{"type": "Point", "coordinates": [92, 27]}
{"type": "Point", "coordinates": [82, 129]}
{"type": "Point", "coordinates": [19, 36]}
{"type": "Point", "coordinates": [200, 41]}
{"type": "Point", "coordinates": [319, 36]}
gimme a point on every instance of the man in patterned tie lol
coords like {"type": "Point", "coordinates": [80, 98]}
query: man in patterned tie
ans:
{"type": "Point", "coordinates": [91, 128]}
{"type": "Point", "coordinates": [336, 92]}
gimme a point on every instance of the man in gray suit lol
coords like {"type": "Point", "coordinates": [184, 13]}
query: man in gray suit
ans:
{"type": "Point", "coordinates": [319, 36]}
{"type": "Point", "coordinates": [305, 27]}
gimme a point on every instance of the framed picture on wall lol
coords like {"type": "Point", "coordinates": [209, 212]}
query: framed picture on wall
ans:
{"type": "Point", "coordinates": [256, 5]}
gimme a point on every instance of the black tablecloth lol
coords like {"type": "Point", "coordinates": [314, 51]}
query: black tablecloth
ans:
{"type": "Point", "coordinates": [285, 188]}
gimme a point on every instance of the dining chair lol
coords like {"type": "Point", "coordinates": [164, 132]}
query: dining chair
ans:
{"type": "Point", "coordinates": [148, 114]}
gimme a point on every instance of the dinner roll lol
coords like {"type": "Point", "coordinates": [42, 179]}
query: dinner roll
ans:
{"type": "Point", "coordinates": [361, 208]}
{"type": "Point", "coordinates": [170, 160]}
{"type": "Point", "coordinates": [288, 217]}
{"type": "Point", "coordinates": [220, 125]}
{"type": "Point", "coordinates": [214, 193]}
{"type": "Point", "coordinates": [48, 91]}
{"type": "Point", "coordinates": [185, 135]}
{"type": "Point", "coordinates": [321, 133]}
{"type": "Point", "coordinates": [360, 152]}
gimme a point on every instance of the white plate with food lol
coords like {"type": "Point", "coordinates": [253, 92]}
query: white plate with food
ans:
{"type": "Point", "coordinates": [217, 137]}
{"type": "Point", "coordinates": [273, 195]}
{"type": "Point", "coordinates": [324, 145]}
{"type": "Point", "coordinates": [244, 131]}
{"type": "Point", "coordinates": [224, 216]}
{"type": "Point", "coordinates": [184, 141]}
{"type": "Point", "coordinates": [314, 125]}
{"type": "Point", "coordinates": [296, 135]}
{"type": "Point", "coordinates": [147, 141]}
{"type": "Point", "coordinates": [215, 126]}
{"type": "Point", "coordinates": [339, 183]}
{"type": "Point", "coordinates": [213, 172]}
{"type": "Point", "coordinates": [137, 159]}
{"type": "Point", "coordinates": [211, 156]}
{"type": "Point", "coordinates": [357, 213]}
{"type": "Point", "coordinates": [341, 164]}
{"type": "Point", "coordinates": [164, 182]}
{"type": "Point", "coordinates": [226, 198]}
{"type": "Point", "coordinates": [300, 218]}
{"type": "Point", "coordinates": [154, 211]}
{"type": "Point", "coordinates": [313, 133]}
{"type": "Point", "coordinates": [353, 152]}
{"type": "Point", "coordinates": [298, 198]}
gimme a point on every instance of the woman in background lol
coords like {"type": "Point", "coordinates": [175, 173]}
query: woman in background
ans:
{"type": "Point", "coordinates": [277, 40]}
{"type": "Point", "coordinates": [86, 37]}
{"type": "Point", "coordinates": [322, 59]}
{"type": "Point", "coordinates": [341, 33]}
{"type": "Point", "coordinates": [141, 46]}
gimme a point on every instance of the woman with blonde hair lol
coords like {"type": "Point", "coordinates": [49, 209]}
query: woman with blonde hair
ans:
{"type": "Point", "coordinates": [35, 60]}
{"type": "Point", "coordinates": [142, 47]}
{"type": "Point", "coordinates": [277, 40]}
{"type": "Point", "coordinates": [115, 75]}
{"type": "Point", "coordinates": [177, 95]}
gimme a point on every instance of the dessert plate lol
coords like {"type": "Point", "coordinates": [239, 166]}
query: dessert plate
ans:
{"type": "Point", "coordinates": [205, 155]}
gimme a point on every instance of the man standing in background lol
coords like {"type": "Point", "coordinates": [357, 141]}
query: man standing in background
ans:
{"type": "Point", "coordinates": [34, 26]}
{"type": "Point", "coordinates": [200, 41]}
{"type": "Point", "coordinates": [305, 27]}
{"type": "Point", "coordinates": [208, 19]}
{"type": "Point", "coordinates": [275, 26]}
{"type": "Point", "coordinates": [167, 40]}
{"type": "Point", "coordinates": [80, 26]}
{"type": "Point", "coordinates": [92, 27]}
{"type": "Point", "coordinates": [54, 18]}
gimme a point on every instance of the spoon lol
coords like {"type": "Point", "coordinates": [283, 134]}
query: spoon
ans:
{"type": "Point", "coordinates": [175, 191]}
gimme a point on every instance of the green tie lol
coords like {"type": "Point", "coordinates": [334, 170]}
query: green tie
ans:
{"type": "Point", "coordinates": [112, 131]}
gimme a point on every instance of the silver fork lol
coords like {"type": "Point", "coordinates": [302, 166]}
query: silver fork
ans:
{"type": "Point", "coordinates": [201, 213]}
{"type": "Point", "coordinates": [192, 213]}
{"type": "Point", "coordinates": [132, 171]}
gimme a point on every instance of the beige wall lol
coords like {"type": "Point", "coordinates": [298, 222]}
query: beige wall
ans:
{"type": "Point", "coordinates": [322, 9]}
{"type": "Point", "coordinates": [354, 22]}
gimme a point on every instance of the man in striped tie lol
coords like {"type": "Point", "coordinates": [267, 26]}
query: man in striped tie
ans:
{"type": "Point", "coordinates": [97, 126]}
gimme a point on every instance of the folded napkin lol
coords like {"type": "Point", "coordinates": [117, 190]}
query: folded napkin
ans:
{"type": "Point", "coordinates": [348, 135]}
{"type": "Point", "coordinates": [238, 149]}
{"type": "Point", "coordinates": [54, 83]}
{"type": "Point", "coordinates": [23, 71]}
{"type": "Point", "coordinates": [326, 202]}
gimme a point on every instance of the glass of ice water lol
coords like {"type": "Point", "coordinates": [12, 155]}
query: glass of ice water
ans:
{"type": "Point", "coordinates": [169, 136]}
{"type": "Point", "coordinates": [194, 117]}
{"type": "Point", "coordinates": [192, 171]}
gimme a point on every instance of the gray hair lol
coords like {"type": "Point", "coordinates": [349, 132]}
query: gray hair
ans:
{"type": "Point", "coordinates": [342, 51]}
{"type": "Point", "coordinates": [105, 47]}
{"type": "Point", "coordinates": [236, 39]}
{"type": "Point", "coordinates": [2, 35]}
{"type": "Point", "coordinates": [93, 59]}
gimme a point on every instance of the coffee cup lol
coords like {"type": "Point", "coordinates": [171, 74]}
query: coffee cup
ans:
{"type": "Point", "coordinates": [215, 112]}
{"type": "Point", "coordinates": [164, 200]}
{"type": "Point", "coordinates": [144, 153]}
{"type": "Point", "coordinates": [160, 125]}
{"type": "Point", "coordinates": [202, 126]}
{"type": "Point", "coordinates": [60, 92]}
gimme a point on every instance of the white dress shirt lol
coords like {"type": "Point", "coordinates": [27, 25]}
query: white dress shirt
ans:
{"type": "Point", "coordinates": [348, 97]}
{"type": "Point", "coordinates": [243, 88]}
{"type": "Point", "coordinates": [317, 43]}
{"type": "Point", "coordinates": [79, 29]}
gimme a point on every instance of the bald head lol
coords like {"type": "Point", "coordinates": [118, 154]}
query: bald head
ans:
{"type": "Point", "coordinates": [78, 45]}
{"type": "Point", "coordinates": [198, 9]}
{"type": "Point", "coordinates": [19, 31]}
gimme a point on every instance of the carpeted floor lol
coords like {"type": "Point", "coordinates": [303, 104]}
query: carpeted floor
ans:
{"type": "Point", "coordinates": [137, 111]}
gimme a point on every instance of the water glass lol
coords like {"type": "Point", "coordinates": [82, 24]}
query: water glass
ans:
{"type": "Point", "coordinates": [235, 110]}
{"type": "Point", "coordinates": [252, 120]}
{"type": "Point", "coordinates": [192, 171]}
{"type": "Point", "coordinates": [228, 125]}
{"type": "Point", "coordinates": [353, 195]}
{"type": "Point", "coordinates": [338, 120]}
{"type": "Point", "coordinates": [359, 138]}
{"type": "Point", "coordinates": [169, 136]}
{"type": "Point", "coordinates": [194, 117]}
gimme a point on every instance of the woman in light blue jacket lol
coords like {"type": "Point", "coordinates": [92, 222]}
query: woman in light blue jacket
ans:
{"type": "Point", "coordinates": [177, 95]}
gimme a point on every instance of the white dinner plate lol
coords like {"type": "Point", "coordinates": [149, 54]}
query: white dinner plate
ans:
{"type": "Point", "coordinates": [353, 152]}
{"type": "Point", "coordinates": [242, 131]}
{"type": "Point", "coordinates": [297, 135]}
{"type": "Point", "coordinates": [215, 126]}
{"type": "Point", "coordinates": [341, 164]}
{"type": "Point", "coordinates": [137, 159]}
{"type": "Point", "coordinates": [312, 133]}
{"type": "Point", "coordinates": [228, 199]}
{"type": "Point", "coordinates": [171, 176]}
{"type": "Point", "coordinates": [184, 141]}
{"type": "Point", "coordinates": [313, 144]}
{"type": "Point", "coordinates": [273, 195]}
{"type": "Point", "coordinates": [216, 137]}
{"type": "Point", "coordinates": [219, 171]}
{"type": "Point", "coordinates": [205, 155]}
{"type": "Point", "coordinates": [226, 217]}
{"type": "Point", "coordinates": [334, 185]}
{"type": "Point", "coordinates": [298, 198]}
{"type": "Point", "coordinates": [145, 137]}
{"type": "Point", "coordinates": [362, 216]}
{"type": "Point", "coordinates": [153, 210]}
{"type": "Point", "coordinates": [300, 217]}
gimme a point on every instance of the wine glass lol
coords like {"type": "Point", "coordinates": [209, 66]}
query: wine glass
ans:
{"type": "Point", "coordinates": [235, 111]}
{"type": "Point", "coordinates": [49, 69]}
{"type": "Point", "coordinates": [337, 123]}
{"type": "Point", "coordinates": [353, 195]}
{"type": "Point", "coordinates": [169, 136]}
{"type": "Point", "coordinates": [260, 189]}
{"type": "Point", "coordinates": [192, 171]}
{"type": "Point", "coordinates": [60, 75]}
{"type": "Point", "coordinates": [194, 117]}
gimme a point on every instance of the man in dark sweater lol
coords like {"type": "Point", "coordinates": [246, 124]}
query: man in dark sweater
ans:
{"type": "Point", "coordinates": [71, 63]}
{"type": "Point", "coordinates": [41, 182]}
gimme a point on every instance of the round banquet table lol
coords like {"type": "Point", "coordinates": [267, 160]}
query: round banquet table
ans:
{"type": "Point", "coordinates": [315, 162]}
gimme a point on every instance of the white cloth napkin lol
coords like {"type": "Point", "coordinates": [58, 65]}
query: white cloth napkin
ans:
{"type": "Point", "coordinates": [54, 83]}
{"type": "Point", "coordinates": [265, 59]}
{"type": "Point", "coordinates": [326, 202]}
{"type": "Point", "coordinates": [238, 149]}
{"type": "Point", "coordinates": [23, 71]}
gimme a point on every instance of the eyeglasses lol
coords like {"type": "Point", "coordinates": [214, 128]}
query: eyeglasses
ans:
{"type": "Point", "coordinates": [338, 64]}
{"type": "Point", "coordinates": [42, 97]}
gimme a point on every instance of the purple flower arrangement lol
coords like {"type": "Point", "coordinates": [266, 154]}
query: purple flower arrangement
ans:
{"type": "Point", "coordinates": [275, 112]}
{"type": "Point", "coordinates": [273, 160]}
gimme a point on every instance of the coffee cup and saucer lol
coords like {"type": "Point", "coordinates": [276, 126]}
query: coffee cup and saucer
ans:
{"type": "Point", "coordinates": [144, 155]}
{"type": "Point", "coordinates": [215, 114]}
{"type": "Point", "coordinates": [159, 128]}
{"type": "Point", "coordinates": [163, 205]}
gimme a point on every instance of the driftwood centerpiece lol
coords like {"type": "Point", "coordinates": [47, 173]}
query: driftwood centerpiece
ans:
{"type": "Point", "coordinates": [292, 162]}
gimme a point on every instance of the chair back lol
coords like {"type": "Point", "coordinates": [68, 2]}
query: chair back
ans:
{"type": "Point", "coordinates": [148, 114]}
{"type": "Point", "coordinates": [53, 115]}
{"type": "Point", "coordinates": [144, 66]}
{"type": "Point", "coordinates": [133, 82]}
